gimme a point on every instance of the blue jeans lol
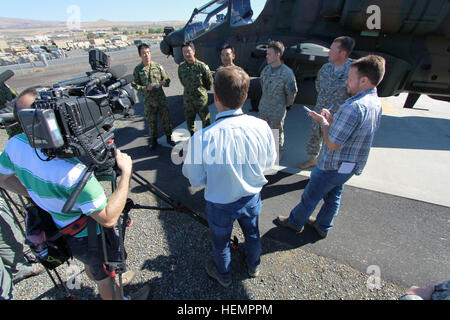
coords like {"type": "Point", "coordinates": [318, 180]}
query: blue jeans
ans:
{"type": "Point", "coordinates": [326, 185]}
{"type": "Point", "coordinates": [221, 218]}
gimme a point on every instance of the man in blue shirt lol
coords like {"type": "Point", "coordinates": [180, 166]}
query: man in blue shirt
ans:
{"type": "Point", "coordinates": [230, 158]}
{"type": "Point", "coordinates": [348, 137]}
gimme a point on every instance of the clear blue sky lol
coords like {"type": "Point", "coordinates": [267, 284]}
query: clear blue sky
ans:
{"type": "Point", "coordinates": [93, 10]}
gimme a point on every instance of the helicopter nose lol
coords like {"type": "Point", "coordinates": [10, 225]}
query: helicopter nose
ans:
{"type": "Point", "coordinates": [166, 48]}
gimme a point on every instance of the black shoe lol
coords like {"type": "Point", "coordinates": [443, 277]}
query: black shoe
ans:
{"type": "Point", "coordinates": [153, 144]}
{"type": "Point", "coordinates": [170, 141]}
{"type": "Point", "coordinates": [253, 272]}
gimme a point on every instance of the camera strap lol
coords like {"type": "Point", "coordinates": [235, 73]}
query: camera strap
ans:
{"type": "Point", "coordinates": [72, 229]}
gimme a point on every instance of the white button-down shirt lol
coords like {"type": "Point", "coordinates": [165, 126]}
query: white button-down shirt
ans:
{"type": "Point", "coordinates": [230, 157]}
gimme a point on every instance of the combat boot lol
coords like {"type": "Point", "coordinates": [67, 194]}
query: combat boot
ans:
{"type": "Point", "coordinates": [170, 141]}
{"type": "Point", "coordinates": [153, 144]}
{"type": "Point", "coordinates": [312, 162]}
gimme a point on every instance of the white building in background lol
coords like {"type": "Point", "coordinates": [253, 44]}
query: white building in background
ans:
{"type": "Point", "coordinates": [43, 38]}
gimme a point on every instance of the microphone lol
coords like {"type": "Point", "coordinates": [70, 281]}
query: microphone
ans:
{"type": "Point", "coordinates": [114, 72]}
{"type": "Point", "coordinates": [122, 82]}
{"type": "Point", "coordinates": [118, 71]}
{"type": "Point", "coordinates": [72, 82]}
{"type": "Point", "coordinates": [5, 76]}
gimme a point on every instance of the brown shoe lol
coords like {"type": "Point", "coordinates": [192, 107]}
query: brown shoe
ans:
{"type": "Point", "coordinates": [312, 162]}
{"type": "Point", "coordinates": [284, 222]}
{"type": "Point", "coordinates": [312, 223]}
{"type": "Point", "coordinates": [36, 269]}
{"type": "Point", "coordinates": [127, 277]}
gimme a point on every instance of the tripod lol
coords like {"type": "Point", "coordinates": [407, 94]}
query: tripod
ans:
{"type": "Point", "coordinates": [110, 174]}
{"type": "Point", "coordinates": [118, 267]}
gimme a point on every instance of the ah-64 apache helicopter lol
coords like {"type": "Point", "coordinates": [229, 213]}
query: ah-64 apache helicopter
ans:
{"type": "Point", "coordinates": [413, 37]}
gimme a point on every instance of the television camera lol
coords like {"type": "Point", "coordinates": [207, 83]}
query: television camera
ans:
{"type": "Point", "coordinates": [74, 118]}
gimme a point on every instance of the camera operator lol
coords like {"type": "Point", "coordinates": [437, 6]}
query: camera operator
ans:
{"type": "Point", "coordinates": [51, 183]}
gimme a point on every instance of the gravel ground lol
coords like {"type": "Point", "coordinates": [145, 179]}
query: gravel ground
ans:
{"type": "Point", "coordinates": [168, 251]}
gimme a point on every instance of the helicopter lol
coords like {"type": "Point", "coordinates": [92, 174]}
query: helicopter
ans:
{"type": "Point", "coordinates": [413, 37]}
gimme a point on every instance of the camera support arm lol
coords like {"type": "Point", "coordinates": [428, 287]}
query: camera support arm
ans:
{"type": "Point", "coordinates": [78, 189]}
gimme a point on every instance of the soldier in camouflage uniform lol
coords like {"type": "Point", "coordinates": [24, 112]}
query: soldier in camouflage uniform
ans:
{"type": "Point", "coordinates": [279, 89]}
{"type": "Point", "coordinates": [149, 79]}
{"type": "Point", "coordinates": [196, 79]}
{"type": "Point", "coordinates": [227, 56]}
{"type": "Point", "coordinates": [332, 92]}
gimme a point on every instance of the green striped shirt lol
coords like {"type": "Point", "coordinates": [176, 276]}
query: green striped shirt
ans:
{"type": "Point", "coordinates": [51, 183]}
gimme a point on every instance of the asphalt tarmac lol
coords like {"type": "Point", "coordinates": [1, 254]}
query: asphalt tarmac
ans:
{"type": "Point", "coordinates": [394, 218]}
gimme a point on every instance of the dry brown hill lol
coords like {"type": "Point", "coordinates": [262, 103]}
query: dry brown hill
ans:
{"type": "Point", "coordinates": [23, 24]}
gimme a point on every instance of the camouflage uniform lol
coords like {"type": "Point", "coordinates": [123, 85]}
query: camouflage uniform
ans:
{"type": "Point", "coordinates": [279, 89]}
{"type": "Point", "coordinates": [213, 73]}
{"type": "Point", "coordinates": [332, 90]}
{"type": "Point", "coordinates": [155, 101]}
{"type": "Point", "coordinates": [196, 79]}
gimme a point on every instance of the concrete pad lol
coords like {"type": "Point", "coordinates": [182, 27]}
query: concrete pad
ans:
{"type": "Point", "coordinates": [406, 239]}
{"type": "Point", "coordinates": [410, 157]}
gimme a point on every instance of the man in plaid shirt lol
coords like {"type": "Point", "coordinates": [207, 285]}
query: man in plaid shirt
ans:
{"type": "Point", "coordinates": [348, 137]}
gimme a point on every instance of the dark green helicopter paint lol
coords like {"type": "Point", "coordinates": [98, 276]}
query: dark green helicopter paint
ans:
{"type": "Point", "coordinates": [412, 35]}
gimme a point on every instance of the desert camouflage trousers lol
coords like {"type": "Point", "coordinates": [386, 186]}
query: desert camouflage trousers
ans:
{"type": "Point", "coordinates": [275, 117]}
{"type": "Point", "coordinates": [316, 137]}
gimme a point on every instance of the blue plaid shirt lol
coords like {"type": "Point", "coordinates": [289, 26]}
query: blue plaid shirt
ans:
{"type": "Point", "coordinates": [353, 129]}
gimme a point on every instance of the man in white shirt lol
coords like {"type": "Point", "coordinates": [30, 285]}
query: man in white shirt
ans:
{"type": "Point", "coordinates": [230, 158]}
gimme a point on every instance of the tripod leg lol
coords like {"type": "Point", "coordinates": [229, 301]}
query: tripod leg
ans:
{"type": "Point", "coordinates": [68, 295]}
{"type": "Point", "coordinates": [121, 235]}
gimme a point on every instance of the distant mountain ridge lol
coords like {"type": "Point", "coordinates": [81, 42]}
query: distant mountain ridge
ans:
{"type": "Point", "coordinates": [17, 23]}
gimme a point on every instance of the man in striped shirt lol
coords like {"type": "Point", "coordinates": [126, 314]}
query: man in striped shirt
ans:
{"type": "Point", "coordinates": [51, 183]}
{"type": "Point", "coordinates": [348, 137]}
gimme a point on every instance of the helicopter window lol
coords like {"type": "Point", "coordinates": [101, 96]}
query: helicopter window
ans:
{"type": "Point", "coordinates": [246, 11]}
{"type": "Point", "coordinates": [206, 19]}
